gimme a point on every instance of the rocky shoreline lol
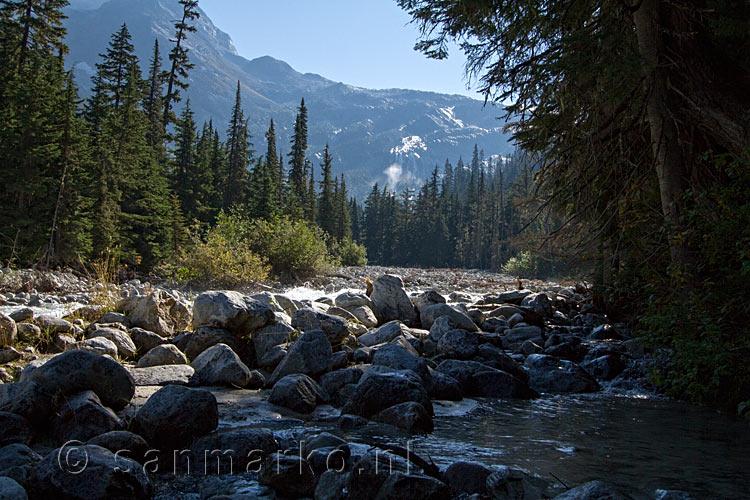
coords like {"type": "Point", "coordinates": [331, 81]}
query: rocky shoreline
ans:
{"type": "Point", "coordinates": [158, 371]}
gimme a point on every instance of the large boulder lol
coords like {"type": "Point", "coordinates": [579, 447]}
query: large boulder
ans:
{"type": "Point", "coordinates": [125, 443]}
{"type": "Point", "coordinates": [144, 340]}
{"type": "Point", "coordinates": [77, 371]}
{"type": "Point", "coordinates": [232, 452]}
{"type": "Point", "coordinates": [403, 486]}
{"type": "Point", "coordinates": [364, 315]}
{"type": "Point", "coordinates": [385, 333]}
{"type": "Point", "coordinates": [163, 375]}
{"type": "Point", "coordinates": [298, 392]}
{"type": "Point", "coordinates": [429, 314]}
{"type": "Point", "coordinates": [17, 455]}
{"type": "Point", "coordinates": [232, 311]}
{"type": "Point", "coordinates": [27, 399]}
{"type": "Point", "coordinates": [88, 472]}
{"type": "Point", "coordinates": [605, 367]}
{"type": "Point", "coordinates": [333, 382]}
{"type": "Point", "coordinates": [51, 324]}
{"type": "Point", "coordinates": [426, 299]}
{"type": "Point", "coordinates": [161, 355]}
{"type": "Point", "coordinates": [390, 302]}
{"type": "Point", "coordinates": [550, 374]}
{"type": "Point", "coordinates": [291, 476]}
{"type": "Point", "coordinates": [157, 312]}
{"type": "Point", "coordinates": [125, 346]}
{"type": "Point", "coordinates": [97, 345]}
{"type": "Point", "coordinates": [270, 336]}
{"type": "Point", "coordinates": [8, 354]}
{"type": "Point", "coordinates": [14, 429]}
{"type": "Point", "coordinates": [174, 415]}
{"type": "Point", "coordinates": [397, 357]}
{"type": "Point", "coordinates": [310, 354]}
{"type": "Point", "coordinates": [594, 490]}
{"type": "Point", "coordinates": [467, 477]}
{"type": "Point", "coordinates": [335, 328]}
{"type": "Point", "coordinates": [220, 365]}
{"type": "Point", "coordinates": [8, 330]}
{"type": "Point", "coordinates": [194, 343]}
{"type": "Point", "coordinates": [458, 344]}
{"type": "Point", "coordinates": [370, 472]}
{"type": "Point", "coordinates": [515, 337]}
{"type": "Point", "coordinates": [11, 490]}
{"type": "Point", "coordinates": [480, 380]}
{"type": "Point", "coordinates": [349, 300]}
{"type": "Point", "coordinates": [378, 391]}
{"type": "Point", "coordinates": [409, 416]}
{"type": "Point", "coordinates": [82, 417]}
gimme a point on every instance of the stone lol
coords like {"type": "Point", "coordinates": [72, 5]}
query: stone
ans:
{"type": "Point", "coordinates": [61, 342]}
{"type": "Point", "coordinates": [348, 422]}
{"type": "Point", "coordinates": [144, 340]}
{"type": "Point", "coordinates": [22, 314]}
{"type": "Point", "coordinates": [234, 451]}
{"type": "Point", "coordinates": [194, 343]}
{"type": "Point", "coordinates": [529, 347]}
{"type": "Point", "coordinates": [539, 302]}
{"type": "Point", "coordinates": [28, 332]}
{"type": "Point", "coordinates": [331, 486]}
{"type": "Point", "coordinates": [605, 332]}
{"type": "Point", "coordinates": [385, 333]}
{"type": "Point", "coordinates": [8, 355]}
{"type": "Point", "coordinates": [444, 387]}
{"type": "Point", "coordinates": [232, 311]}
{"type": "Point", "coordinates": [594, 490]}
{"type": "Point", "coordinates": [174, 415]}
{"type": "Point", "coordinates": [287, 474]}
{"type": "Point", "coordinates": [398, 358]}
{"type": "Point", "coordinates": [17, 455]}
{"type": "Point", "coordinates": [270, 336]}
{"type": "Point", "coordinates": [332, 382]}
{"type": "Point", "coordinates": [298, 392]}
{"type": "Point", "coordinates": [376, 392]}
{"type": "Point", "coordinates": [11, 490]}
{"type": "Point", "coordinates": [161, 355]}
{"type": "Point", "coordinates": [82, 417]}
{"type": "Point", "coordinates": [426, 299]}
{"type": "Point", "coordinates": [89, 472]}
{"type": "Point", "coordinates": [157, 312]}
{"type": "Point", "coordinates": [363, 355]}
{"type": "Point", "coordinates": [460, 320]}
{"type": "Point", "coordinates": [98, 345]}
{"type": "Point", "coordinates": [401, 486]}
{"type": "Point", "coordinates": [8, 330]}
{"type": "Point", "coordinates": [341, 313]}
{"type": "Point", "coordinates": [310, 355]}
{"type": "Point", "coordinates": [124, 443]}
{"type": "Point", "coordinates": [220, 365]}
{"type": "Point", "coordinates": [505, 310]}
{"type": "Point", "coordinates": [50, 324]}
{"type": "Point", "coordinates": [516, 336]}
{"type": "Point", "coordinates": [163, 375]}
{"type": "Point", "coordinates": [273, 357]}
{"type": "Point", "coordinates": [287, 304]}
{"type": "Point", "coordinates": [390, 302]}
{"type": "Point", "coordinates": [495, 325]}
{"type": "Point", "coordinates": [499, 384]}
{"type": "Point", "coordinates": [364, 315]}
{"type": "Point", "coordinates": [408, 416]}
{"type": "Point", "coordinates": [605, 367]}
{"type": "Point", "coordinates": [27, 399]}
{"type": "Point", "coordinates": [125, 346]}
{"type": "Point", "coordinates": [14, 429]}
{"type": "Point", "coordinates": [467, 477]}
{"type": "Point", "coordinates": [458, 344]}
{"type": "Point", "coordinates": [115, 317]}
{"type": "Point", "coordinates": [550, 374]}
{"type": "Point", "coordinates": [335, 328]}
{"type": "Point", "coordinates": [506, 483]}
{"type": "Point", "coordinates": [513, 296]}
{"type": "Point", "coordinates": [370, 472]}
{"type": "Point", "coordinates": [440, 326]}
{"type": "Point", "coordinates": [348, 300]}
{"type": "Point", "coordinates": [77, 371]}
{"type": "Point", "coordinates": [257, 381]}
{"type": "Point", "coordinates": [496, 358]}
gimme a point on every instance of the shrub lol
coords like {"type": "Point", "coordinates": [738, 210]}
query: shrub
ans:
{"type": "Point", "coordinates": [351, 253]}
{"type": "Point", "coordinates": [524, 265]}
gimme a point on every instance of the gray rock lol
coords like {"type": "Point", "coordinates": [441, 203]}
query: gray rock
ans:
{"type": "Point", "coordinates": [61, 342]}
{"type": "Point", "coordinates": [125, 443]}
{"type": "Point", "coordinates": [529, 347]}
{"type": "Point", "coordinates": [157, 312]}
{"type": "Point", "coordinates": [77, 371]}
{"type": "Point", "coordinates": [364, 315]}
{"type": "Point", "coordinates": [495, 325]}
{"type": "Point", "coordinates": [390, 302]}
{"type": "Point", "coordinates": [28, 332]}
{"type": "Point", "coordinates": [144, 340]}
{"type": "Point", "coordinates": [17, 455]}
{"type": "Point", "coordinates": [232, 311]}
{"type": "Point", "coordinates": [348, 300]}
{"type": "Point", "coordinates": [14, 429]}
{"type": "Point", "coordinates": [8, 355]}
{"type": "Point", "coordinates": [194, 343]}
{"type": "Point", "coordinates": [460, 320]}
{"type": "Point", "coordinates": [398, 358]}
{"type": "Point", "coordinates": [163, 375]}
{"type": "Point", "coordinates": [370, 472]}
{"type": "Point", "coordinates": [125, 346]}
{"type": "Point", "coordinates": [273, 357]}
{"type": "Point", "coordinates": [408, 416]}
{"type": "Point", "coordinates": [298, 392]}
{"type": "Point", "coordinates": [605, 332]}
{"type": "Point", "coordinates": [115, 317]}
{"type": "Point", "coordinates": [310, 355]}
{"type": "Point", "coordinates": [161, 355]}
{"type": "Point", "coordinates": [513, 296]}
{"type": "Point", "coordinates": [175, 415]}
{"type": "Point", "coordinates": [467, 477]}
{"type": "Point", "coordinates": [8, 330]}
{"type": "Point", "coordinates": [341, 313]}
{"type": "Point", "coordinates": [50, 324]}
{"type": "Point", "coordinates": [516, 336]}
{"type": "Point", "coordinates": [426, 299]}
{"type": "Point", "coordinates": [594, 490]}
{"type": "Point", "coordinates": [220, 365]}
{"type": "Point", "coordinates": [496, 358]}
{"type": "Point", "coordinates": [331, 486]}
{"type": "Point", "coordinates": [385, 333]}
{"type": "Point", "coordinates": [27, 399]}
{"type": "Point", "coordinates": [605, 367]}
{"type": "Point", "coordinates": [444, 387]}
{"type": "Point", "coordinates": [89, 472]}
{"type": "Point", "coordinates": [270, 336]}
{"type": "Point", "coordinates": [232, 452]}
{"type": "Point", "coordinates": [458, 344]}
{"type": "Point", "coordinates": [82, 417]}
{"type": "Point", "coordinates": [288, 475]}
{"type": "Point", "coordinates": [505, 310]}
{"type": "Point", "coordinates": [22, 314]}
{"type": "Point", "coordinates": [376, 392]}
{"type": "Point", "coordinates": [97, 345]}
{"type": "Point", "coordinates": [287, 304]}
{"type": "Point", "coordinates": [506, 483]}
{"type": "Point", "coordinates": [539, 302]}
{"type": "Point", "coordinates": [440, 326]}
{"type": "Point", "coordinates": [11, 490]}
{"type": "Point", "coordinates": [499, 384]}
{"type": "Point", "coordinates": [363, 355]}
{"type": "Point", "coordinates": [550, 374]}
{"type": "Point", "coordinates": [335, 328]}
{"type": "Point", "coordinates": [333, 382]}
{"type": "Point", "coordinates": [401, 486]}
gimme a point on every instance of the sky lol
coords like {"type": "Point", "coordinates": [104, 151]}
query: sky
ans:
{"type": "Point", "coordinates": [365, 43]}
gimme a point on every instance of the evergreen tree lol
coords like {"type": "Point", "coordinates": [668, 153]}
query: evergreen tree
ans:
{"type": "Point", "coordinates": [239, 156]}
{"type": "Point", "coordinates": [153, 104]}
{"type": "Point", "coordinates": [176, 77]}
{"type": "Point", "coordinates": [297, 157]}
{"type": "Point", "coordinates": [326, 200]}
{"type": "Point", "coordinates": [185, 163]}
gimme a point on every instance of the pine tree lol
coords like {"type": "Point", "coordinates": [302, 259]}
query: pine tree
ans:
{"type": "Point", "coordinates": [185, 163]}
{"type": "Point", "coordinates": [239, 156]}
{"type": "Point", "coordinates": [153, 104]}
{"type": "Point", "coordinates": [297, 158]}
{"type": "Point", "coordinates": [343, 217]}
{"type": "Point", "coordinates": [116, 63]}
{"type": "Point", "coordinates": [326, 200]}
{"type": "Point", "coordinates": [176, 77]}
{"type": "Point", "coordinates": [32, 28]}
{"type": "Point", "coordinates": [310, 202]}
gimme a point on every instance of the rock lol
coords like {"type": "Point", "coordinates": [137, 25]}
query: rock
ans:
{"type": "Point", "coordinates": [672, 495]}
{"type": "Point", "coordinates": [232, 452]}
{"type": "Point", "coordinates": [363, 355]}
{"type": "Point", "coordinates": [287, 474]}
{"type": "Point", "coordinates": [458, 344]}
{"type": "Point", "coordinates": [633, 347]}
{"type": "Point", "coordinates": [161, 355]}
{"type": "Point", "coordinates": [14, 429]}
{"type": "Point", "coordinates": [506, 483]}
{"type": "Point", "coordinates": [8, 355]}
{"type": "Point", "coordinates": [440, 326]}
{"type": "Point", "coordinates": [298, 392]}
{"type": "Point", "coordinates": [494, 357]}
{"type": "Point", "coordinates": [89, 472]}
{"type": "Point", "coordinates": [61, 342]}
{"type": "Point", "coordinates": [332, 382]}
{"type": "Point", "coordinates": [495, 325]}
{"type": "Point", "coordinates": [194, 343]}
{"type": "Point", "coordinates": [98, 345]}
{"type": "Point", "coordinates": [273, 357]}
{"type": "Point", "coordinates": [444, 387]}
{"type": "Point", "coordinates": [409, 416]}
{"type": "Point", "coordinates": [426, 299]}
{"type": "Point", "coordinates": [364, 315]}
{"type": "Point", "coordinates": [385, 333]}
{"type": "Point", "coordinates": [144, 340]}
{"type": "Point", "coordinates": [52, 325]}
{"type": "Point", "coordinates": [594, 490]}
{"type": "Point", "coordinates": [370, 472]}
{"type": "Point", "coordinates": [157, 312]}
{"type": "Point", "coordinates": [348, 422]}
{"type": "Point", "coordinates": [513, 296]}
{"type": "Point", "coordinates": [287, 304]}
{"type": "Point", "coordinates": [28, 332]}
{"type": "Point", "coordinates": [459, 319]}
{"type": "Point", "coordinates": [232, 311]}
{"type": "Point", "coordinates": [376, 392]}
{"type": "Point", "coordinates": [341, 313]}
{"type": "Point", "coordinates": [499, 384]}
{"type": "Point", "coordinates": [605, 332]}
{"type": "Point", "coordinates": [22, 314]}
{"type": "Point", "coordinates": [605, 367]}
{"type": "Point", "coordinates": [505, 310]}
{"type": "Point", "coordinates": [467, 477]}
{"type": "Point", "coordinates": [11, 490]}
{"type": "Point", "coordinates": [516, 336]}
{"type": "Point", "coordinates": [335, 328]}
{"type": "Point", "coordinates": [401, 486]}
{"type": "Point", "coordinates": [331, 486]}
{"type": "Point", "coordinates": [270, 336]}
{"type": "Point", "coordinates": [550, 374]}
{"type": "Point", "coordinates": [77, 371]}
{"type": "Point", "coordinates": [175, 415]}
{"type": "Point", "coordinates": [390, 302]}
{"type": "Point", "coordinates": [124, 443]}
{"type": "Point", "coordinates": [310, 355]}
{"type": "Point", "coordinates": [27, 399]}
{"type": "Point", "coordinates": [163, 375]}
{"type": "Point", "coordinates": [115, 317]}
{"type": "Point", "coordinates": [529, 347]}
{"type": "Point", "coordinates": [348, 300]}
{"type": "Point", "coordinates": [539, 302]}
{"type": "Point", "coordinates": [220, 365]}
{"type": "Point", "coordinates": [8, 330]}
{"type": "Point", "coordinates": [125, 346]}
{"type": "Point", "coordinates": [82, 417]}
{"type": "Point", "coordinates": [17, 455]}
{"type": "Point", "coordinates": [257, 381]}
{"type": "Point", "coordinates": [398, 358]}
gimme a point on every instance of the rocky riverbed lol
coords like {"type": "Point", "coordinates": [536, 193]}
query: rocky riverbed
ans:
{"type": "Point", "coordinates": [368, 383]}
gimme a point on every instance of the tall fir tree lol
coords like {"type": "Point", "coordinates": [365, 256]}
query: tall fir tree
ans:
{"type": "Point", "coordinates": [153, 104]}
{"type": "Point", "coordinates": [239, 156]}
{"type": "Point", "coordinates": [326, 198]}
{"type": "Point", "coordinates": [298, 188]}
{"type": "Point", "coordinates": [177, 77]}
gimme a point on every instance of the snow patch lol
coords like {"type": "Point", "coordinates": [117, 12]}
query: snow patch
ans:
{"type": "Point", "coordinates": [451, 116]}
{"type": "Point", "coordinates": [408, 145]}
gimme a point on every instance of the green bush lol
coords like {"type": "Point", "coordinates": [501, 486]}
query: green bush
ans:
{"type": "Point", "coordinates": [351, 253]}
{"type": "Point", "coordinates": [524, 265]}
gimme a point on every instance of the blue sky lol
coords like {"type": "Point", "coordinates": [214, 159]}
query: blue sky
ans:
{"type": "Point", "coordinates": [367, 43]}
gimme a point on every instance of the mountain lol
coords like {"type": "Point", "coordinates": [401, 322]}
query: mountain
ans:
{"type": "Point", "coordinates": [392, 135]}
